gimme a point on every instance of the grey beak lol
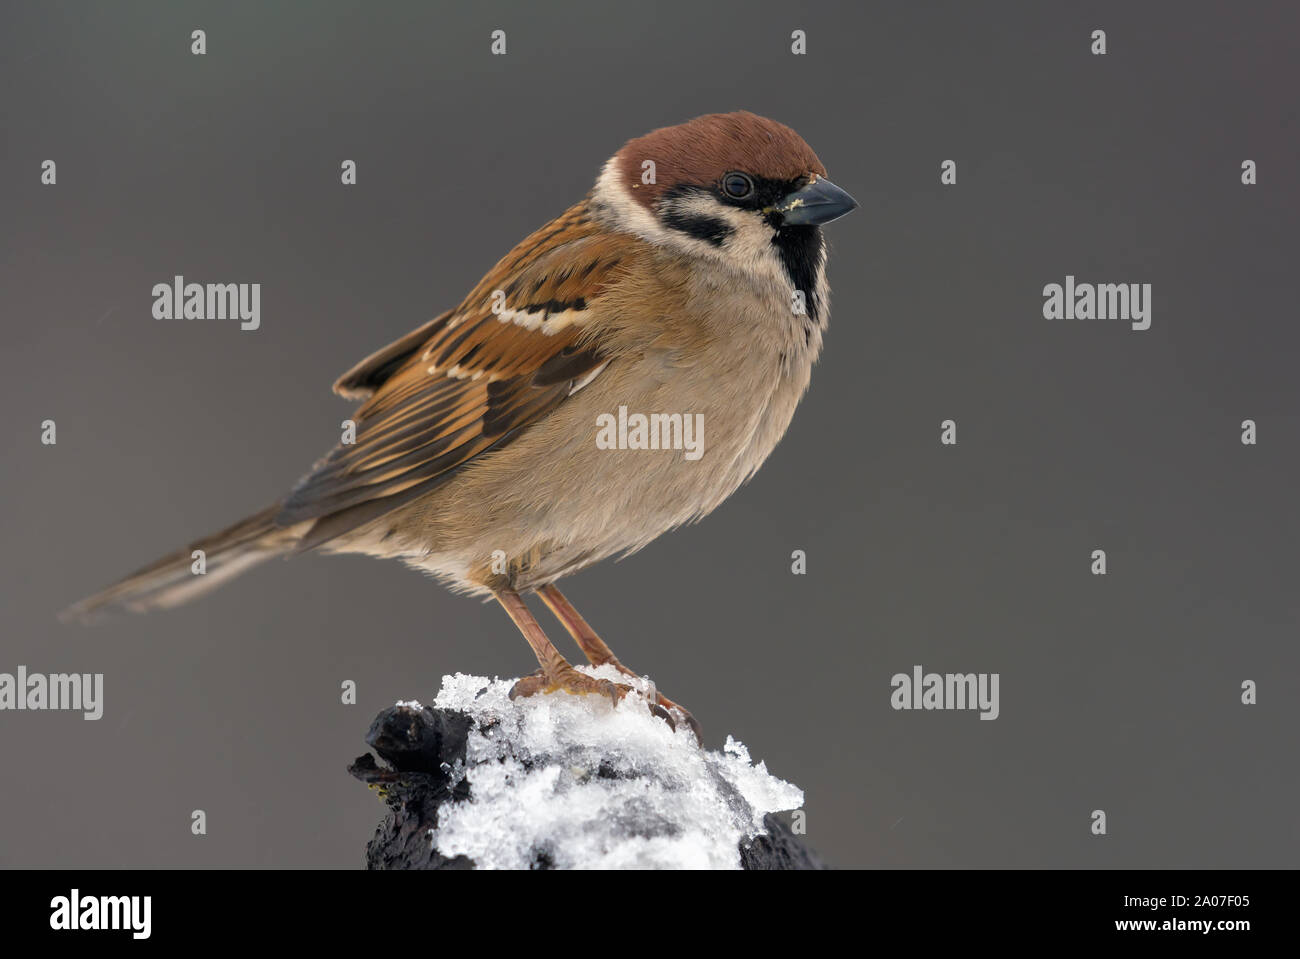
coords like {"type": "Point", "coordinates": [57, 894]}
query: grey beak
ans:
{"type": "Point", "coordinates": [819, 202]}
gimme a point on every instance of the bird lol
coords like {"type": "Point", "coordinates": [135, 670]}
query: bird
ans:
{"type": "Point", "coordinates": [691, 278]}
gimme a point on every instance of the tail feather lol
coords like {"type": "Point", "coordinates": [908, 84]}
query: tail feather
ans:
{"type": "Point", "coordinates": [172, 580]}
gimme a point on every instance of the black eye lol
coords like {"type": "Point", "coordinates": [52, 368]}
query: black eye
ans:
{"type": "Point", "coordinates": [737, 185]}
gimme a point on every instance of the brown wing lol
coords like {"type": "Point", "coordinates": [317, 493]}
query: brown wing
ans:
{"type": "Point", "coordinates": [471, 380]}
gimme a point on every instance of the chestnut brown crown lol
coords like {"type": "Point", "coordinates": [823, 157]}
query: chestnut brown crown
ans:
{"type": "Point", "coordinates": [702, 151]}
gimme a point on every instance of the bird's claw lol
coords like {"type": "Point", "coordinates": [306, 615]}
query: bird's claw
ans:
{"type": "Point", "coordinates": [580, 684]}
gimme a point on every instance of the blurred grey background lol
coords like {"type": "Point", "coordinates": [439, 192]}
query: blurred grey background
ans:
{"type": "Point", "coordinates": [1119, 692]}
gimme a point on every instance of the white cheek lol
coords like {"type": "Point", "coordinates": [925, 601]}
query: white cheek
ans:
{"type": "Point", "coordinates": [626, 213]}
{"type": "Point", "coordinates": [748, 249]}
{"type": "Point", "coordinates": [750, 245]}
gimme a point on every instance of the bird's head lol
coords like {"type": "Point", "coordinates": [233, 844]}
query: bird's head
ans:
{"type": "Point", "coordinates": [735, 188]}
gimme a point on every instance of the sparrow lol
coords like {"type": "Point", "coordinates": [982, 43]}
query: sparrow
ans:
{"type": "Point", "coordinates": [691, 278]}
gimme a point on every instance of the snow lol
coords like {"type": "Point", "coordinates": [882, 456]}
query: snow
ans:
{"type": "Point", "coordinates": [580, 784]}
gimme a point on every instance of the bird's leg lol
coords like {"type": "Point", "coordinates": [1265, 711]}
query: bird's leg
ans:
{"type": "Point", "coordinates": [594, 648]}
{"type": "Point", "coordinates": [556, 673]}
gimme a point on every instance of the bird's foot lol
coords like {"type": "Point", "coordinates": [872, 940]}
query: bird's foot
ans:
{"type": "Point", "coordinates": [569, 680]}
{"type": "Point", "coordinates": [566, 679]}
{"type": "Point", "coordinates": [663, 707]}
{"type": "Point", "coordinates": [673, 713]}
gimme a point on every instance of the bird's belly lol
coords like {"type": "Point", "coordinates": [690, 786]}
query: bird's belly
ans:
{"type": "Point", "coordinates": [646, 446]}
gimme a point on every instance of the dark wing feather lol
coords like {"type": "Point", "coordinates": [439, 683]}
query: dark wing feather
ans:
{"type": "Point", "coordinates": [362, 380]}
{"type": "Point", "coordinates": [466, 382]}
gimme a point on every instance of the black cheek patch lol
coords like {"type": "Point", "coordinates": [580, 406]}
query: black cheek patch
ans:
{"type": "Point", "coordinates": [701, 226]}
